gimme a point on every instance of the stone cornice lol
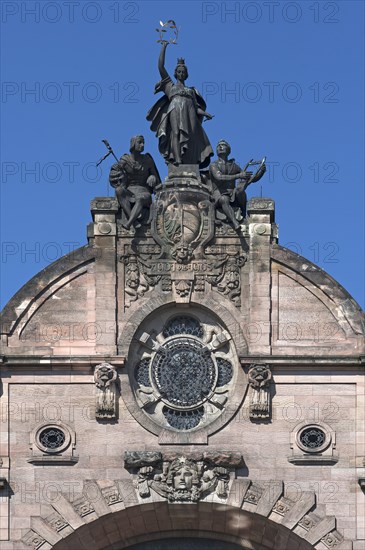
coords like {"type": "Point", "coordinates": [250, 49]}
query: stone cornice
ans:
{"type": "Point", "coordinates": [290, 361]}
{"type": "Point", "coordinates": [66, 361]}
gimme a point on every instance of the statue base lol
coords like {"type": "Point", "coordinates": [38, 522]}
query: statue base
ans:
{"type": "Point", "coordinates": [183, 171]}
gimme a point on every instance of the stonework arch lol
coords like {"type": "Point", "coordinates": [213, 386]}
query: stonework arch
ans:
{"type": "Point", "coordinates": [255, 516]}
{"type": "Point", "coordinates": [149, 306]}
{"type": "Point", "coordinates": [336, 298]}
{"type": "Point", "coordinates": [35, 292]}
{"type": "Point", "coordinates": [192, 543]}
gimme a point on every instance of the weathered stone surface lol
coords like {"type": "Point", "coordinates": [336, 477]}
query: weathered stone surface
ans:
{"type": "Point", "coordinates": [137, 459]}
{"type": "Point", "coordinates": [297, 511]}
{"type": "Point", "coordinates": [44, 530]}
{"type": "Point", "coordinates": [227, 459]}
{"type": "Point", "coordinates": [77, 311]}
{"type": "Point", "coordinates": [321, 529]}
{"type": "Point", "coordinates": [272, 493]}
{"type": "Point", "coordinates": [67, 511]}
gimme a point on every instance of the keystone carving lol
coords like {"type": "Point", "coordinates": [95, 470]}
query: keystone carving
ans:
{"type": "Point", "coordinates": [184, 479]}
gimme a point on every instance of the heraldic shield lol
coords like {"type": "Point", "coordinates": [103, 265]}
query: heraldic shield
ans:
{"type": "Point", "coordinates": [183, 222]}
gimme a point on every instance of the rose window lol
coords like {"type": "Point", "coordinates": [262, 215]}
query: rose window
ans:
{"type": "Point", "coordinates": [186, 373]}
{"type": "Point", "coordinates": [183, 371]}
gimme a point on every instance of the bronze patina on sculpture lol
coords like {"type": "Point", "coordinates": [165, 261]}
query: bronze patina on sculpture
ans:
{"type": "Point", "coordinates": [197, 196]}
{"type": "Point", "coordinates": [177, 117]}
{"type": "Point", "coordinates": [223, 174]}
{"type": "Point", "coordinates": [134, 177]}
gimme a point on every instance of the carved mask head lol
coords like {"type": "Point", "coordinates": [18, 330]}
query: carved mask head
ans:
{"type": "Point", "coordinates": [133, 276]}
{"type": "Point", "coordinates": [104, 374]}
{"type": "Point", "coordinates": [183, 474]}
{"type": "Point", "coordinates": [259, 375]}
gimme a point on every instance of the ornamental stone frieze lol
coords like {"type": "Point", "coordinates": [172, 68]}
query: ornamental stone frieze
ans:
{"type": "Point", "coordinates": [183, 478]}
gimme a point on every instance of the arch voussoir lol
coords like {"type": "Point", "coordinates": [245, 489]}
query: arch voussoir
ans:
{"type": "Point", "coordinates": [255, 515]}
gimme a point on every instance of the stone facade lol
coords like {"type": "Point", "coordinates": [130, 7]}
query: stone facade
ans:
{"type": "Point", "coordinates": [101, 449]}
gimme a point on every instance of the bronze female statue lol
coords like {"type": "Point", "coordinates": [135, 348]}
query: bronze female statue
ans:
{"type": "Point", "coordinates": [177, 118]}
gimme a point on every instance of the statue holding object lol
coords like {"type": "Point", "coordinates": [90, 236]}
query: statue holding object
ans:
{"type": "Point", "coordinates": [134, 177]}
{"type": "Point", "coordinates": [177, 118]}
{"type": "Point", "coordinates": [223, 174]}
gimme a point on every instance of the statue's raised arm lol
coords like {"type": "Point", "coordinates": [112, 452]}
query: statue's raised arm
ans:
{"type": "Point", "coordinates": [161, 61]}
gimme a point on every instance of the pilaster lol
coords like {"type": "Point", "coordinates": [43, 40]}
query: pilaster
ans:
{"type": "Point", "coordinates": [103, 233]}
{"type": "Point", "coordinates": [262, 232]}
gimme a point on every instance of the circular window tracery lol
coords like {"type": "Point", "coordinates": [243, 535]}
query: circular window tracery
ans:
{"type": "Point", "coordinates": [183, 325]}
{"type": "Point", "coordinates": [313, 438]}
{"type": "Point", "coordinates": [143, 373]}
{"type": "Point", "coordinates": [225, 372]}
{"type": "Point", "coordinates": [52, 438]}
{"type": "Point", "coordinates": [183, 420]}
{"type": "Point", "coordinates": [183, 372]}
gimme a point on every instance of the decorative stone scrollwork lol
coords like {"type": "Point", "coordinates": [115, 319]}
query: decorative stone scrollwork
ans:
{"type": "Point", "coordinates": [183, 219]}
{"type": "Point", "coordinates": [183, 288]}
{"type": "Point", "coordinates": [259, 378]}
{"type": "Point", "coordinates": [228, 281]}
{"type": "Point", "coordinates": [107, 390]}
{"type": "Point", "coordinates": [83, 507]}
{"type": "Point", "coordinates": [136, 282]}
{"type": "Point", "coordinates": [182, 270]}
{"type": "Point", "coordinates": [56, 521]}
{"type": "Point", "coordinates": [184, 479]}
{"type": "Point", "coordinates": [332, 540]}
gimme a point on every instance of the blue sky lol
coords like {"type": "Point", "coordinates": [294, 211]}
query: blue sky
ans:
{"type": "Point", "coordinates": [283, 79]}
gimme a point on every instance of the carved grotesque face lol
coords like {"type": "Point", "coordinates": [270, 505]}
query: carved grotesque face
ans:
{"type": "Point", "coordinates": [105, 374]}
{"type": "Point", "coordinates": [259, 373]}
{"type": "Point", "coordinates": [133, 277]}
{"type": "Point", "coordinates": [182, 253]}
